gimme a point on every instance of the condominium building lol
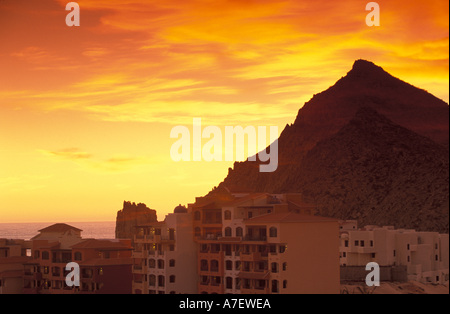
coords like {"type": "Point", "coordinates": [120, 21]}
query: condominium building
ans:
{"type": "Point", "coordinates": [13, 255]}
{"type": "Point", "coordinates": [425, 254]}
{"type": "Point", "coordinates": [105, 265]}
{"type": "Point", "coordinates": [165, 256]}
{"type": "Point", "coordinates": [263, 243]}
{"type": "Point", "coordinates": [241, 243]}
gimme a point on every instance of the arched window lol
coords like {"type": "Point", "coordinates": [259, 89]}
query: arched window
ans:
{"type": "Point", "coordinates": [204, 265]}
{"type": "Point", "coordinates": [229, 265]}
{"type": "Point", "coordinates": [172, 279]}
{"type": "Point", "coordinates": [152, 280]}
{"type": "Point", "coordinates": [227, 215]}
{"type": "Point", "coordinates": [275, 286]}
{"type": "Point", "coordinates": [160, 264]}
{"type": "Point", "coordinates": [273, 232]}
{"type": "Point", "coordinates": [198, 232]}
{"type": "Point", "coordinates": [239, 232]}
{"type": "Point", "coordinates": [161, 281]}
{"type": "Point", "coordinates": [197, 215]}
{"type": "Point", "coordinates": [228, 232]}
{"type": "Point", "coordinates": [151, 263]}
{"type": "Point", "coordinates": [214, 265]}
{"type": "Point", "coordinates": [229, 283]}
{"type": "Point", "coordinates": [172, 263]}
{"type": "Point", "coordinates": [274, 267]}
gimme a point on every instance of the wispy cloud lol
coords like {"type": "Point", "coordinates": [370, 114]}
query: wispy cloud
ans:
{"type": "Point", "coordinates": [117, 163]}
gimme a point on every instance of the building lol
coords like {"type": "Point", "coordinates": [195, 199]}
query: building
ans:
{"type": "Point", "coordinates": [424, 254]}
{"type": "Point", "coordinates": [105, 265]}
{"type": "Point", "coordinates": [264, 243]}
{"type": "Point", "coordinates": [165, 256]}
{"type": "Point", "coordinates": [13, 255]}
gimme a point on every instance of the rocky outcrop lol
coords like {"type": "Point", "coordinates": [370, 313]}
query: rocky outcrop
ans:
{"type": "Point", "coordinates": [130, 216]}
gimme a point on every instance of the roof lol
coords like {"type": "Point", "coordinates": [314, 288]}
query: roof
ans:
{"type": "Point", "coordinates": [60, 227]}
{"type": "Point", "coordinates": [287, 217]}
{"type": "Point", "coordinates": [101, 244]}
{"type": "Point", "coordinates": [246, 198]}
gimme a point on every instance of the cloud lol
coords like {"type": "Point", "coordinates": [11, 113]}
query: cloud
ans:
{"type": "Point", "coordinates": [68, 153]}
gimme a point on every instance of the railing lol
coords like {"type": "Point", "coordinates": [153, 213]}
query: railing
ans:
{"type": "Point", "coordinates": [255, 238]}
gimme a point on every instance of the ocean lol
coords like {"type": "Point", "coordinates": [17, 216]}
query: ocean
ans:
{"type": "Point", "coordinates": [96, 230]}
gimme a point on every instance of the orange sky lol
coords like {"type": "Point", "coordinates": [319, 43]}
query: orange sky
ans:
{"type": "Point", "coordinates": [86, 112]}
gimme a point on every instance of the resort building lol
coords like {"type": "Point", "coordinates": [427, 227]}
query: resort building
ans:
{"type": "Point", "coordinates": [262, 244]}
{"type": "Point", "coordinates": [105, 265]}
{"type": "Point", "coordinates": [165, 256]}
{"type": "Point", "coordinates": [424, 254]}
{"type": "Point", "coordinates": [13, 255]}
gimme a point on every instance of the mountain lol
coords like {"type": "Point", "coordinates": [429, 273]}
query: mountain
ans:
{"type": "Point", "coordinates": [371, 148]}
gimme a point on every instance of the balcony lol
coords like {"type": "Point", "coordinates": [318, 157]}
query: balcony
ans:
{"type": "Point", "coordinates": [261, 238]}
{"type": "Point", "coordinates": [253, 256]}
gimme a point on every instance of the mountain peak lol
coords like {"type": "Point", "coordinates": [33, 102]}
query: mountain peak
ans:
{"type": "Point", "coordinates": [364, 69]}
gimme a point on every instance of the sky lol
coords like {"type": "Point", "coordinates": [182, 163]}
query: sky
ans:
{"type": "Point", "coordinates": [86, 112]}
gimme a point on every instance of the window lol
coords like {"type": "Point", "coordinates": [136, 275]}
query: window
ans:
{"type": "Point", "coordinates": [161, 281]}
{"type": "Point", "coordinates": [204, 265]}
{"type": "Point", "coordinates": [214, 265]}
{"type": "Point", "coordinates": [160, 264]}
{"type": "Point", "coordinates": [344, 254]}
{"type": "Point", "coordinates": [284, 284]}
{"type": "Point", "coordinates": [275, 286]}
{"type": "Point", "coordinates": [45, 255]}
{"type": "Point", "coordinates": [197, 215]}
{"type": "Point", "coordinates": [362, 243]}
{"type": "Point", "coordinates": [151, 263]}
{"type": "Point", "coordinates": [172, 279]}
{"type": "Point", "coordinates": [284, 266]}
{"type": "Point", "coordinates": [238, 283]}
{"type": "Point", "coordinates": [346, 243]}
{"type": "Point", "coordinates": [228, 232]}
{"type": "Point", "coordinates": [371, 243]}
{"type": "Point", "coordinates": [356, 243]}
{"type": "Point", "coordinates": [274, 267]}
{"type": "Point", "coordinates": [77, 256]}
{"type": "Point", "coordinates": [152, 280]}
{"type": "Point", "coordinates": [229, 265]}
{"type": "Point", "coordinates": [408, 247]}
{"type": "Point", "coordinates": [239, 232]}
{"type": "Point", "coordinates": [373, 255]}
{"type": "Point", "coordinates": [227, 215]}
{"type": "Point", "coordinates": [197, 232]}
{"type": "Point", "coordinates": [273, 232]}
{"type": "Point", "coordinates": [37, 254]}
{"type": "Point", "coordinates": [172, 263]}
{"type": "Point", "coordinates": [229, 283]}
